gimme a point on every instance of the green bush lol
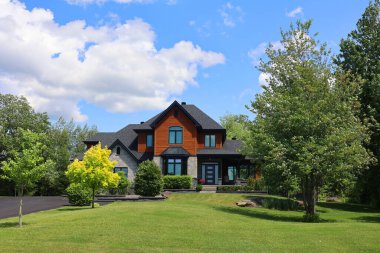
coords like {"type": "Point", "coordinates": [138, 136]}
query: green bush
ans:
{"type": "Point", "coordinates": [177, 182]}
{"type": "Point", "coordinates": [235, 188]}
{"type": "Point", "coordinates": [199, 187]}
{"type": "Point", "coordinates": [281, 204]}
{"type": "Point", "coordinates": [260, 185]}
{"type": "Point", "coordinates": [148, 181]}
{"type": "Point", "coordinates": [311, 218]}
{"type": "Point", "coordinates": [79, 195]}
{"type": "Point", "coordinates": [123, 186]}
{"type": "Point", "coordinates": [251, 181]}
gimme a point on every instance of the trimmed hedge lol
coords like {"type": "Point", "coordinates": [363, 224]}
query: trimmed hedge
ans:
{"type": "Point", "coordinates": [177, 182]}
{"type": "Point", "coordinates": [235, 188]}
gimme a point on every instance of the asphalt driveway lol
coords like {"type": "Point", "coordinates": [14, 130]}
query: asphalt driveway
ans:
{"type": "Point", "coordinates": [9, 205]}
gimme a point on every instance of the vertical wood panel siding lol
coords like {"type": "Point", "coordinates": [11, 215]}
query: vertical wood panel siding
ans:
{"type": "Point", "coordinates": [161, 133]}
{"type": "Point", "coordinates": [201, 140]}
{"type": "Point", "coordinates": [141, 143]}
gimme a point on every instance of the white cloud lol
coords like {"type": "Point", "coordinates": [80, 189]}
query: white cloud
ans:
{"type": "Point", "coordinates": [115, 67]}
{"type": "Point", "coordinates": [231, 14]}
{"type": "Point", "coordinates": [99, 2]}
{"type": "Point", "coordinates": [258, 52]}
{"type": "Point", "coordinates": [295, 12]}
{"type": "Point", "coordinates": [263, 79]}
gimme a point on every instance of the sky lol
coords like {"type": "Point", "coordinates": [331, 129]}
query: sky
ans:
{"type": "Point", "coordinates": [110, 63]}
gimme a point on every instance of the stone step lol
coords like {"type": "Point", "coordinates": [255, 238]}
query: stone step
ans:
{"type": "Point", "coordinates": [209, 188]}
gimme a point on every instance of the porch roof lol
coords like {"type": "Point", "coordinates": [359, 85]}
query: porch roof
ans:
{"type": "Point", "coordinates": [175, 151]}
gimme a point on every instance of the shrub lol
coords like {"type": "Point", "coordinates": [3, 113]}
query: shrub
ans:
{"type": "Point", "coordinates": [251, 181]}
{"type": "Point", "coordinates": [177, 182]}
{"type": "Point", "coordinates": [281, 204]}
{"type": "Point", "coordinates": [311, 218]}
{"type": "Point", "coordinates": [79, 195]}
{"type": "Point", "coordinates": [260, 185]}
{"type": "Point", "coordinates": [234, 188]}
{"type": "Point", "coordinates": [148, 181]}
{"type": "Point", "coordinates": [199, 187]}
{"type": "Point", "coordinates": [123, 185]}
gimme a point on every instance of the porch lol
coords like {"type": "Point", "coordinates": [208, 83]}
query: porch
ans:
{"type": "Point", "coordinates": [226, 170]}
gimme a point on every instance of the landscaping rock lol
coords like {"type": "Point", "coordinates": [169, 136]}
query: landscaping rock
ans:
{"type": "Point", "coordinates": [247, 203]}
{"type": "Point", "coordinates": [333, 199]}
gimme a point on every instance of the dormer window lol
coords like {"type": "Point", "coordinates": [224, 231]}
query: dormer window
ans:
{"type": "Point", "coordinates": [149, 140]}
{"type": "Point", "coordinates": [210, 140]}
{"type": "Point", "coordinates": [175, 135]}
{"type": "Point", "coordinates": [118, 151]}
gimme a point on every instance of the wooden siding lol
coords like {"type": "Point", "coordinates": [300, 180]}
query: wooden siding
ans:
{"type": "Point", "coordinates": [141, 143]}
{"type": "Point", "coordinates": [201, 140]}
{"type": "Point", "coordinates": [161, 133]}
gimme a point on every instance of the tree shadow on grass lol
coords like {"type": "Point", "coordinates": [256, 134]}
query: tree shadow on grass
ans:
{"type": "Point", "coordinates": [368, 219]}
{"type": "Point", "coordinates": [348, 207]}
{"type": "Point", "coordinates": [256, 213]}
{"type": "Point", "coordinates": [11, 224]}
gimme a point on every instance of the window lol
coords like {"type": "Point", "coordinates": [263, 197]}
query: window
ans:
{"type": "Point", "coordinates": [210, 140]}
{"type": "Point", "coordinates": [175, 135]}
{"type": "Point", "coordinates": [245, 172]}
{"type": "Point", "coordinates": [123, 169]}
{"type": "Point", "coordinates": [174, 167]}
{"type": "Point", "coordinates": [231, 171]}
{"type": "Point", "coordinates": [118, 151]}
{"type": "Point", "coordinates": [149, 140]}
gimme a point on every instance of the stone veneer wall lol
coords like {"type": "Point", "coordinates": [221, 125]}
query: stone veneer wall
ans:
{"type": "Point", "coordinates": [192, 166]}
{"type": "Point", "coordinates": [125, 160]}
{"type": "Point", "coordinates": [158, 161]}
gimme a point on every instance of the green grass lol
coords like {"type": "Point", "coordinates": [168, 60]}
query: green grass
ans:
{"type": "Point", "coordinates": [193, 223]}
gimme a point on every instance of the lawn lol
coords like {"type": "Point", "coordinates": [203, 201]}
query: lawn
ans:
{"type": "Point", "coordinates": [192, 223]}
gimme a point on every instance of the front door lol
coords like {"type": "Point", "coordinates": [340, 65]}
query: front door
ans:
{"type": "Point", "coordinates": [210, 174]}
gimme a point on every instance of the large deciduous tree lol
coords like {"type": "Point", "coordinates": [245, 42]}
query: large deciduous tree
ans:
{"type": "Point", "coordinates": [16, 114]}
{"type": "Point", "coordinates": [306, 130]}
{"type": "Point", "coordinates": [237, 126]}
{"type": "Point", "coordinates": [27, 166]}
{"type": "Point", "coordinates": [95, 171]}
{"type": "Point", "coordinates": [360, 54]}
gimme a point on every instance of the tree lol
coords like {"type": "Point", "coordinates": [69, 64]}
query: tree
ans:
{"type": "Point", "coordinates": [65, 142]}
{"type": "Point", "coordinates": [16, 114]}
{"type": "Point", "coordinates": [95, 171]}
{"type": "Point", "coordinates": [237, 126]}
{"type": "Point", "coordinates": [360, 55]}
{"type": "Point", "coordinates": [28, 166]}
{"type": "Point", "coordinates": [306, 129]}
{"type": "Point", "coordinates": [148, 181]}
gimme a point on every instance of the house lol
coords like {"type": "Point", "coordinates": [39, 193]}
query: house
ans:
{"type": "Point", "coordinates": [182, 140]}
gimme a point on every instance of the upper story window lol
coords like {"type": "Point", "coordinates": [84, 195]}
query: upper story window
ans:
{"type": "Point", "coordinates": [149, 140]}
{"type": "Point", "coordinates": [118, 151]}
{"type": "Point", "coordinates": [175, 135]}
{"type": "Point", "coordinates": [210, 140]}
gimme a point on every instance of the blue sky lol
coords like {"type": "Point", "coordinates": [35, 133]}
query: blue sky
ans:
{"type": "Point", "coordinates": [127, 59]}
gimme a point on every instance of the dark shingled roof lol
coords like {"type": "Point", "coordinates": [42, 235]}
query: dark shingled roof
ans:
{"type": "Point", "coordinates": [230, 147]}
{"type": "Point", "coordinates": [127, 136]}
{"type": "Point", "coordinates": [202, 118]}
{"type": "Point", "coordinates": [205, 121]}
{"type": "Point", "coordinates": [175, 151]}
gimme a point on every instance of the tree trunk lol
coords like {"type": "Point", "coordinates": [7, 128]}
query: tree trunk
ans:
{"type": "Point", "coordinates": [310, 195]}
{"type": "Point", "coordinates": [93, 197]}
{"type": "Point", "coordinates": [20, 210]}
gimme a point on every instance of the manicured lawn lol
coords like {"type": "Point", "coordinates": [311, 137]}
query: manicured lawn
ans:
{"type": "Point", "coordinates": [192, 223]}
